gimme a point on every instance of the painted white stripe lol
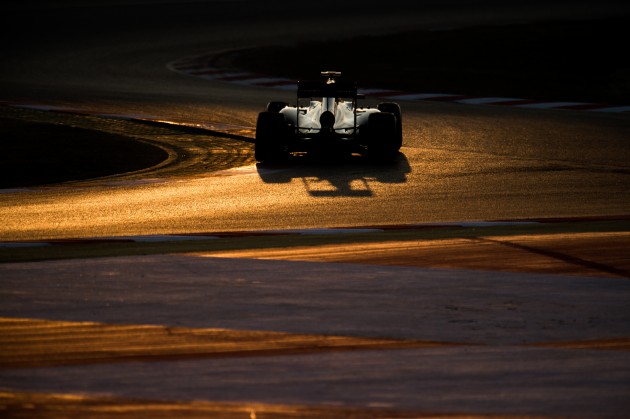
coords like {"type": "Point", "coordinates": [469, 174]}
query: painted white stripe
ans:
{"type": "Point", "coordinates": [613, 109]}
{"type": "Point", "coordinates": [260, 80]}
{"type": "Point", "coordinates": [187, 67]}
{"type": "Point", "coordinates": [421, 96]}
{"type": "Point", "coordinates": [196, 66]}
{"type": "Point", "coordinates": [238, 74]}
{"type": "Point", "coordinates": [44, 107]}
{"type": "Point", "coordinates": [287, 87]}
{"type": "Point", "coordinates": [486, 100]}
{"type": "Point", "coordinates": [414, 96]}
{"type": "Point", "coordinates": [207, 71]}
{"type": "Point", "coordinates": [550, 105]}
{"type": "Point", "coordinates": [373, 91]}
{"type": "Point", "coordinates": [216, 76]}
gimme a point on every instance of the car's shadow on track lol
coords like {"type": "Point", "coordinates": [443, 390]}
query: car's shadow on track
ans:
{"type": "Point", "coordinates": [336, 176]}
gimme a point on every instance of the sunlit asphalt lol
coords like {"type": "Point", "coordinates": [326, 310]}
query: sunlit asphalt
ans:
{"type": "Point", "coordinates": [458, 162]}
{"type": "Point", "coordinates": [471, 342]}
{"type": "Point", "coordinates": [373, 338]}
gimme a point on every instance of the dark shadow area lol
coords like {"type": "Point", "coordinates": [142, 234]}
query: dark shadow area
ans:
{"type": "Point", "coordinates": [553, 60]}
{"type": "Point", "coordinates": [336, 175]}
{"type": "Point", "coordinates": [38, 154]}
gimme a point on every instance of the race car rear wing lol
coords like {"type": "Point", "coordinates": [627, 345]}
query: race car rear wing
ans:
{"type": "Point", "coordinates": [319, 89]}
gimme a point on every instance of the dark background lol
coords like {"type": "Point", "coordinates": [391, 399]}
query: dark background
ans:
{"type": "Point", "coordinates": [557, 50]}
{"type": "Point", "coordinates": [574, 60]}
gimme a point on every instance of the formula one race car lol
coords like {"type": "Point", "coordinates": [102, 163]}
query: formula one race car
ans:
{"type": "Point", "coordinates": [330, 122]}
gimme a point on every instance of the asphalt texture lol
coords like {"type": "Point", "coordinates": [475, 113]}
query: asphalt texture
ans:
{"type": "Point", "coordinates": [472, 324]}
{"type": "Point", "coordinates": [486, 343]}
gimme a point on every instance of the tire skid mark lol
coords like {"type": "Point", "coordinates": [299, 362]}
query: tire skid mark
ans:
{"type": "Point", "coordinates": [33, 343]}
{"type": "Point", "coordinates": [561, 256]}
{"type": "Point", "coordinates": [585, 254]}
{"type": "Point", "coordinates": [45, 343]}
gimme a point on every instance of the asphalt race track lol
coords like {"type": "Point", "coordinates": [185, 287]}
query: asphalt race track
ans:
{"type": "Point", "coordinates": [457, 163]}
{"type": "Point", "coordinates": [234, 336]}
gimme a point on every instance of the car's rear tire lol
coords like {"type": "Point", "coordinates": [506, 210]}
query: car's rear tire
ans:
{"type": "Point", "coordinates": [276, 106]}
{"type": "Point", "coordinates": [271, 138]}
{"type": "Point", "coordinates": [382, 137]}
{"type": "Point", "coordinates": [394, 108]}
